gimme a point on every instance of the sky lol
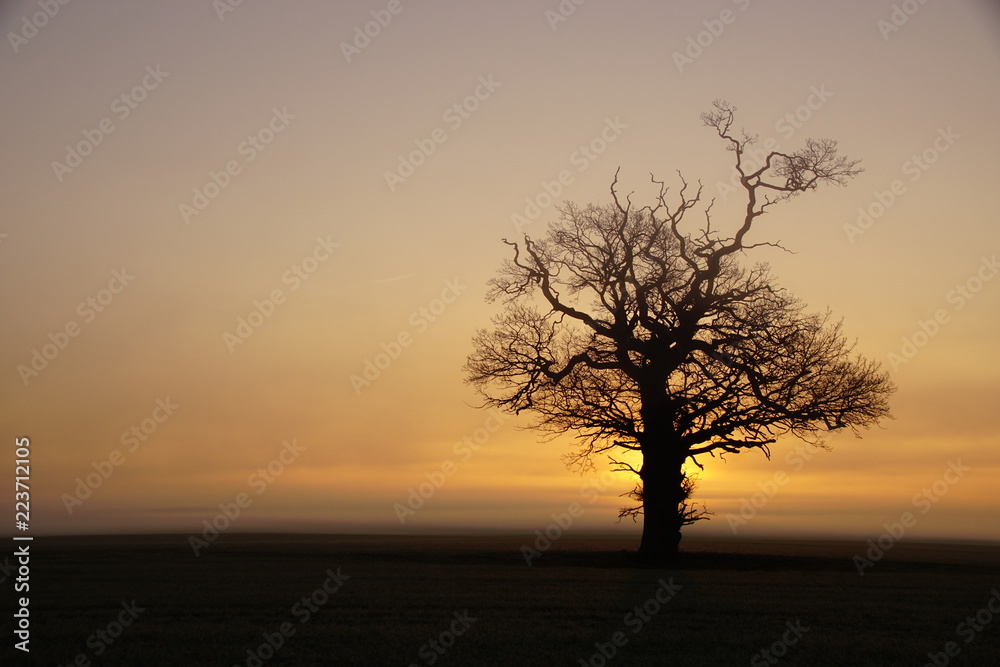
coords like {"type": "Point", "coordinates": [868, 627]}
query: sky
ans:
{"type": "Point", "coordinates": [244, 249]}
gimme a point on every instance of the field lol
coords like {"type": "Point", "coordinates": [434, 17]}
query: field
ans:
{"type": "Point", "coordinates": [474, 601]}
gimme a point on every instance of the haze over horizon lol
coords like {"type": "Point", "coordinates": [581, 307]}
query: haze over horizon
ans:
{"type": "Point", "coordinates": [248, 237]}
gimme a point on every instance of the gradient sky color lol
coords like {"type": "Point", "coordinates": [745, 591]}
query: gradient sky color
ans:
{"type": "Point", "coordinates": [327, 132]}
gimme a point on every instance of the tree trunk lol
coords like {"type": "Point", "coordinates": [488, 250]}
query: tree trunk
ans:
{"type": "Point", "coordinates": [662, 496]}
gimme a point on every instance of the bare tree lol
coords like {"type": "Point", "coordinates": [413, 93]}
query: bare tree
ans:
{"type": "Point", "coordinates": [634, 334]}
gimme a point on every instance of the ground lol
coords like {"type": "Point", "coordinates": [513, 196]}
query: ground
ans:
{"type": "Point", "coordinates": [384, 600]}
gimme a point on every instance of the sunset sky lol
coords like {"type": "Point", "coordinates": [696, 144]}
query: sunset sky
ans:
{"type": "Point", "coordinates": [171, 168]}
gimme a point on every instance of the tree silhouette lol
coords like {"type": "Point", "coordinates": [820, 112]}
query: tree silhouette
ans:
{"type": "Point", "coordinates": [636, 335]}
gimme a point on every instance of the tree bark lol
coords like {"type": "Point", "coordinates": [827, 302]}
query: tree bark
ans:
{"type": "Point", "coordinates": [662, 496]}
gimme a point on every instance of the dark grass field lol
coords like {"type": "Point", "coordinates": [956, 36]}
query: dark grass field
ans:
{"type": "Point", "coordinates": [730, 602]}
